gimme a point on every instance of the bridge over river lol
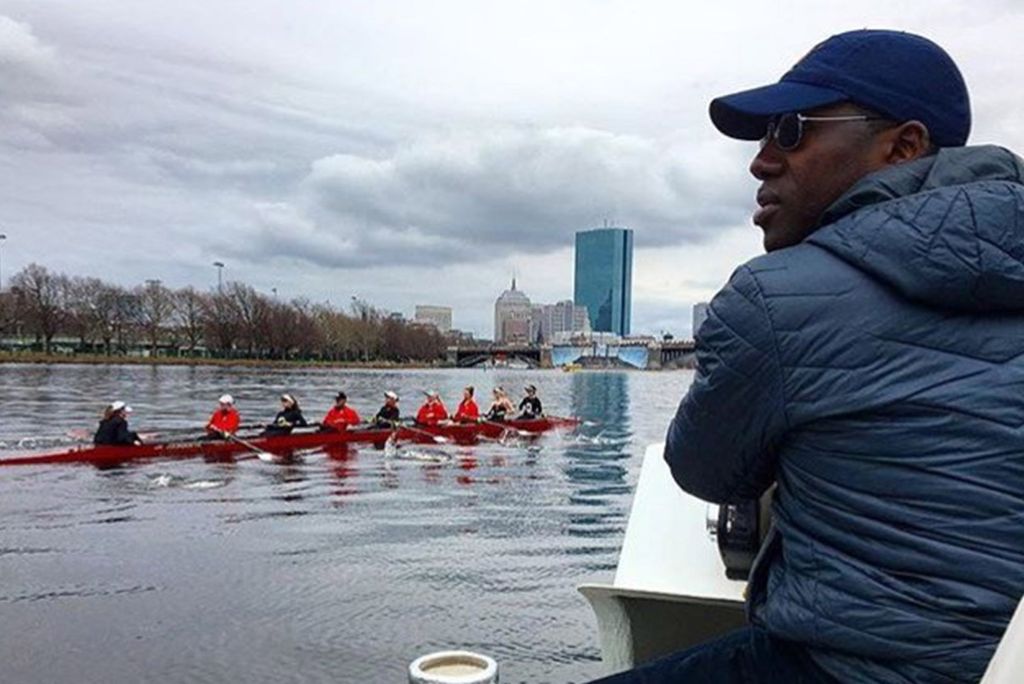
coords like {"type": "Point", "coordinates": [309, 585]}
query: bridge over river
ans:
{"type": "Point", "coordinates": [649, 355]}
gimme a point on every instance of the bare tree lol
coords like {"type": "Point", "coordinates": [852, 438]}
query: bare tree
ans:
{"type": "Point", "coordinates": [307, 338]}
{"type": "Point", "coordinates": [221, 323]}
{"type": "Point", "coordinates": [190, 307]}
{"type": "Point", "coordinates": [83, 294]}
{"type": "Point", "coordinates": [155, 306]}
{"type": "Point", "coordinates": [10, 313]}
{"type": "Point", "coordinates": [252, 310]}
{"type": "Point", "coordinates": [43, 297]}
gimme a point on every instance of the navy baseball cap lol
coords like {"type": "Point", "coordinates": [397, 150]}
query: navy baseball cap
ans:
{"type": "Point", "coordinates": [900, 75]}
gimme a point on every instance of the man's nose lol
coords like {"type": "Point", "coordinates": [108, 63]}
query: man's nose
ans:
{"type": "Point", "coordinates": [767, 163]}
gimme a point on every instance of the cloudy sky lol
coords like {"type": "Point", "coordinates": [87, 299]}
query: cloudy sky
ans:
{"type": "Point", "coordinates": [416, 152]}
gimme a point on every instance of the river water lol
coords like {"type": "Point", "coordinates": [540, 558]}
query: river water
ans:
{"type": "Point", "coordinates": [327, 570]}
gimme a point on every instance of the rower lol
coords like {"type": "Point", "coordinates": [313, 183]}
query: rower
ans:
{"type": "Point", "coordinates": [113, 429]}
{"type": "Point", "coordinates": [529, 407]}
{"type": "Point", "coordinates": [341, 416]}
{"type": "Point", "coordinates": [468, 411]}
{"type": "Point", "coordinates": [289, 417]}
{"type": "Point", "coordinates": [433, 410]}
{"type": "Point", "coordinates": [388, 416]}
{"type": "Point", "coordinates": [225, 419]}
{"type": "Point", "coordinates": [501, 406]}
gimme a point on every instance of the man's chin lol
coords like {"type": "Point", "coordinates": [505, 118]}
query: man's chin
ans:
{"type": "Point", "coordinates": [770, 239]}
{"type": "Point", "coordinates": [775, 237]}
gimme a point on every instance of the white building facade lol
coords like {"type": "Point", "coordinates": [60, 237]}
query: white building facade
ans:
{"type": "Point", "coordinates": [512, 315]}
{"type": "Point", "coordinates": [438, 316]}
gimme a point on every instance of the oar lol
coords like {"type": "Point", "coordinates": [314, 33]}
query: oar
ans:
{"type": "Point", "coordinates": [507, 428]}
{"type": "Point", "coordinates": [264, 456]}
{"type": "Point", "coordinates": [438, 439]}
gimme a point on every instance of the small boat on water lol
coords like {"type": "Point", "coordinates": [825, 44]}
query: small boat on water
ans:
{"type": "Point", "coordinates": [299, 439]}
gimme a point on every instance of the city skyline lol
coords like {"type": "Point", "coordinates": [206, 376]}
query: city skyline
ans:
{"type": "Point", "coordinates": [307, 154]}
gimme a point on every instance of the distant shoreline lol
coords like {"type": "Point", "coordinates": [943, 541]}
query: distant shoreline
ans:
{"type": "Point", "coordinates": [102, 360]}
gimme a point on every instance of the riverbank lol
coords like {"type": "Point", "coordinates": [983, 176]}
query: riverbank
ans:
{"type": "Point", "coordinates": [103, 360]}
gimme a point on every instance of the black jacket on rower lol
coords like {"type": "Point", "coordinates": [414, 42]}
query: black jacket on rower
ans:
{"type": "Point", "coordinates": [387, 416]}
{"type": "Point", "coordinates": [530, 407]}
{"type": "Point", "coordinates": [114, 431]}
{"type": "Point", "coordinates": [285, 420]}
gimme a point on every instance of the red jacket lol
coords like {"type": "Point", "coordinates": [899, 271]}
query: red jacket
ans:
{"type": "Point", "coordinates": [431, 413]}
{"type": "Point", "coordinates": [341, 418]}
{"type": "Point", "coordinates": [468, 411]}
{"type": "Point", "coordinates": [224, 420]}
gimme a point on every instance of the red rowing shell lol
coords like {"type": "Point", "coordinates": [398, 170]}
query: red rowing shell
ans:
{"type": "Point", "coordinates": [460, 433]}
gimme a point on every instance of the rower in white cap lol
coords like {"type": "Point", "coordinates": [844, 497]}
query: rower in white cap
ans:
{"type": "Point", "coordinates": [225, 419]}
{"type": "Point", "coordinates": [289, 417]}
{"type": "Point", "coordinates": [433, 410]}
{"type": "Point", "coordinates": [113, 429]}
{"type": "Point", "coordinates": [388, 416]}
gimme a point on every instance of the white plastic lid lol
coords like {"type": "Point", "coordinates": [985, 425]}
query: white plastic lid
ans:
{"type": "Point", "coordinates": [453, 667]}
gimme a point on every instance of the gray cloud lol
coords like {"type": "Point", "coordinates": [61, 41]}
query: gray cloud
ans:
{"type": "Point", "coordinates": [479, 193]}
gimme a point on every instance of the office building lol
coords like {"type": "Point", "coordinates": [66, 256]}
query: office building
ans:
{"type": "Point", "coordinates": [512, 313]}
{"type": "Point", "coordinates": [604, 278]}
{"type": "Point", "coordinates": [549, 320]}
{"type": "Point", "coordinates": [438, 316]}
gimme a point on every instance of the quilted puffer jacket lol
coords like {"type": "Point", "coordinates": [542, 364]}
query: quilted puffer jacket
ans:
{"type": "Point", "coordinates": [876, 373]}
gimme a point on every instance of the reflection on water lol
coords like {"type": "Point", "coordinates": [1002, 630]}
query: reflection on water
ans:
{"type": "Point", "coordinates": [334, 566]}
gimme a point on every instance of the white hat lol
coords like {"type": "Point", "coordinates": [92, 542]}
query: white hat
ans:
{"type": "Point", "coordinates": [226, 399]}
{"type": "Point", "coordinates": [431, 393]}
{"type": "Point", "coordinates": [391, 395]}
{"type": "Point", "coordinates": [120, 406]}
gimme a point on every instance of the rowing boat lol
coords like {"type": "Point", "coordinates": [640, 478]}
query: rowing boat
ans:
{"type": "Point", "coordinates": [460, 433]}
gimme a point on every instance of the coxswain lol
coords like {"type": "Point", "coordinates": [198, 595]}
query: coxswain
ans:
{"type": "Point", "coordinates": [225, 419]}
{"type": "Point", "coordinates": [289, 417]}
{"type": "Point", "coordinates": [501, 406]}
{"type": "Point", "coordinates": [529, 407]}
{"type": "Point", "coordinates": [433, 410]}
{"type": "Point", "coordinates": [388, 416]}
{"type": "Point", "coordinates": [468, 411]}
{"type": "Point", "coordinates": [113, 429]}
{"type": "Point", "coordinates": [341, 416]}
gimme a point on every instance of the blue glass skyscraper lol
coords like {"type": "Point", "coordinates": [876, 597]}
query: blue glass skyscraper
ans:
{"type": "Point", "coordinates": [604, 277]}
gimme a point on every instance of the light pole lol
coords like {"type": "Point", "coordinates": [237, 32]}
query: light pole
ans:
{"type": "Point", "coordinates": [2, 238]}
{"type": "Point", "coordinates": [220, 270]}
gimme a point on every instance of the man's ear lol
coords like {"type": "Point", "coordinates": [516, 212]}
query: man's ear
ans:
{"type": "Point", "coordinates": [908, 141]}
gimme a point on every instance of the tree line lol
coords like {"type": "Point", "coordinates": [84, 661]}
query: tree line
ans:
{"type": "Point", "coordinates": [235, 321]}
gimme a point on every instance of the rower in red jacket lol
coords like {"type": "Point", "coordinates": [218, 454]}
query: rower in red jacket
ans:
{"type": "Point", "coordinates": [225, 419]}
{"type": "Point", "coordinates": [468, 411]}
{"type": "Point", "coordinates": [341, 416]}
{"type": "Point", "coordinates": [433, 411]}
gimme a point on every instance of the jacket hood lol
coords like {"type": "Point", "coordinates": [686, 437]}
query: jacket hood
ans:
{"type": "Point", "coordinates": [946, 230]}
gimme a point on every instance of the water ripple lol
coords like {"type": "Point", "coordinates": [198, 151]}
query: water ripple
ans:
{"type": "Point", "coordinates": [331, 567]}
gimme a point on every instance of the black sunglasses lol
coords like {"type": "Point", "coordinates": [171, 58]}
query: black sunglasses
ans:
{"type": "Point", "coordinates": [787, 130]}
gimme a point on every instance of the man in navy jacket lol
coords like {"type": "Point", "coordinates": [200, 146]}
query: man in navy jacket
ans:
{"type": "Point", "coordinates": [872, 366]}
